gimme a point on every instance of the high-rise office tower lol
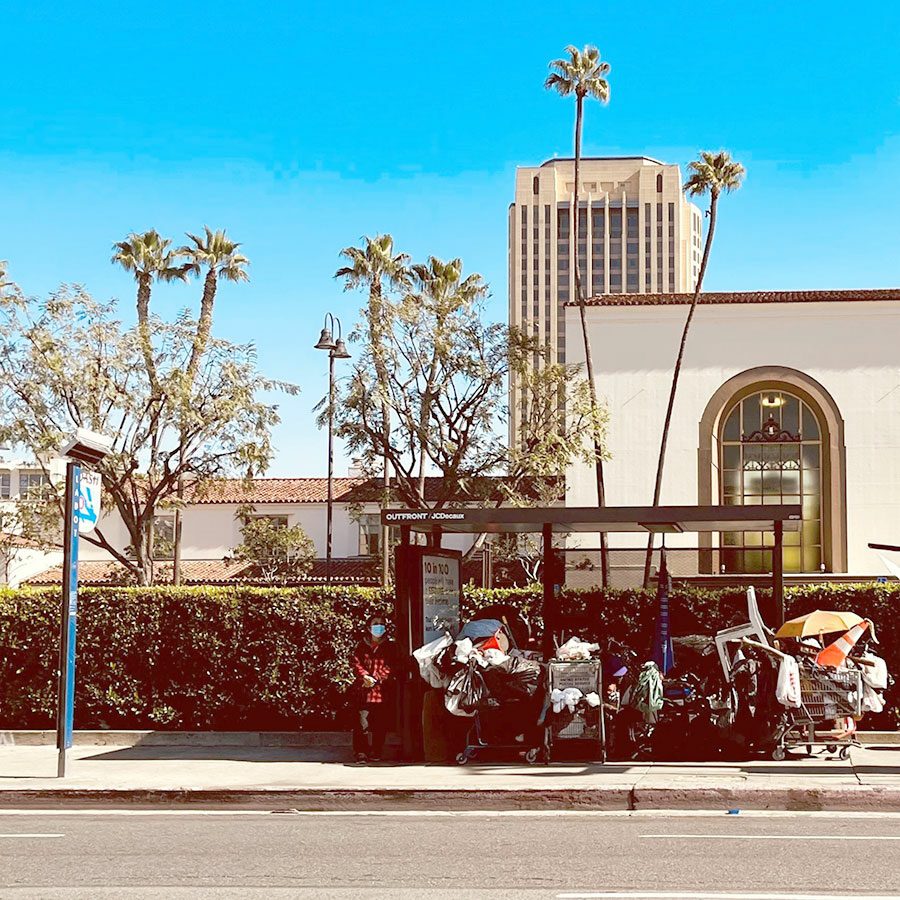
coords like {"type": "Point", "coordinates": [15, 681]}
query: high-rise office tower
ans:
{"type": "Point", "coordinates": [638, 234]}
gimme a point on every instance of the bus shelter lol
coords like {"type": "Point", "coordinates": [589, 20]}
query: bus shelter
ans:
{"type": "Point", "coordinates": [429, 582]}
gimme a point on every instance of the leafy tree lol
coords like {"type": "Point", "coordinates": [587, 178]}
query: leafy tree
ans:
{"type": "Point", "coordinates": [447, 371]}
{"type": "Point", "coordinates": [714, 174]}
{"type": "Point", "coordinates": [68, 362]}
{"type": "Point", "coordinates": [375, 266]}
{"type": "Point", "coordinates": [524, 550]}
{"type": "Point", "coordinates": [148, 256]}
{"type": "Point", "coordinates": [584, 75]}
{"type": "Point", "coordinates": [278, 552]}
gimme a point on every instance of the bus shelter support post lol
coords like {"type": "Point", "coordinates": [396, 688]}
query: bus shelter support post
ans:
{"type": "Point", "coordinates": [778, 575]}
{"type": "Point", "coordinates": [551, 613]}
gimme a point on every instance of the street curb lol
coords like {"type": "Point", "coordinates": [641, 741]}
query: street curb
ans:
{"type": "Point", "coordinates": [317, 800]}
{"type": "Point", "coordinates": [861, 799]}
{"type": "Point", "coordinates": [846, 799]}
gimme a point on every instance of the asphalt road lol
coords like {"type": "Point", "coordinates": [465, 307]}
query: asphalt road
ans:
{"type": "Point", "coordinates": [458, 856]}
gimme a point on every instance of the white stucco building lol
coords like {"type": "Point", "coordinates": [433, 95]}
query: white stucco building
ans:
{"type": "Point", "coordinates": [784, 396]}
{"type": "Point", "coordinates": [22, 481]}
{"type": "Point", "coordinates": [211, 530]}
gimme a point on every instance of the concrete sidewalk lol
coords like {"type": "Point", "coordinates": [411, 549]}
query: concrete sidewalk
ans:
{"type": "Point", "coordinates": [316, 778]}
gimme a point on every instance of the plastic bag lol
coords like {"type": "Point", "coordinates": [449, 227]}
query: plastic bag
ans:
{"type": "Point", "coordinates": [575, 648]}
{"type": "Point", "coordinates": [495, 657]}
{"type": "Point", "coordinates": [426, 657]}
{"type": "Point", "coordinates": [464, 650]}
{"type": "Point", "coordinates": [451, 704]}
{"type": "Point", "coordinates": [568, 697]}
{"type": "Point", "coordinates": [473, 691]}
{"type": "Point", "coordinates": [453, 695]}
{"type": "Point", "coordinates": [514, 679]}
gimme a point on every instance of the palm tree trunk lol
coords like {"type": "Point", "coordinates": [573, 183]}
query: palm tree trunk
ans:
{"type": "Point", "coordinates": [588, 356]}
{"type": "Point", "coordinates": [376, 328]}
{"type": "Point", "coordinates": [204, 325]}
{"type": "Point", "coordinates": [386, 499]}
{"type": "Point", "coordinates": [661, 463]}
{"type": "Point", "coordinates": [143, 315]}
{"type": "Point", "coordinates": [201, 340]}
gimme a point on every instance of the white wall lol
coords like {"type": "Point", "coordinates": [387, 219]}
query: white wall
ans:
{"type": "Point", "coordinates": [210, 530]}
{"type": "Point", "coordinates": [851, 348]}
{"type": "Point", "coordinates": [26, 563]}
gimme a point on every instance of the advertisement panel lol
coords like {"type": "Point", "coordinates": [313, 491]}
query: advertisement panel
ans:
{"type": "Point", "coordinates": [441, 585]}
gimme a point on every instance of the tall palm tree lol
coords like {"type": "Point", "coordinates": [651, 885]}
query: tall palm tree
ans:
{"type": "Point", "coordinates": [714, 174]}
{"type": "Point", "coordinates": [148, 256]}
{"type": "Point", "coordinates": [218, 255]}
{"type": "Point", "coordinates": [373, 266]}
{"type": "Point", "coordinates": [584, 75]}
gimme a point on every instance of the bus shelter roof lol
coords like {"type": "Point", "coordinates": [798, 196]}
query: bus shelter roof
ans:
{"type": "Point", "coordinates": [607, 519]}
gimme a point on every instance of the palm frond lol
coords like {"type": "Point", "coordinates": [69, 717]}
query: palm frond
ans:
{"type": "Point", "coordinates": [148, 255]}
{"type": "Point", "coordinates": [583, 74]}
{"type": "Point", "coordinates": [714, 173]}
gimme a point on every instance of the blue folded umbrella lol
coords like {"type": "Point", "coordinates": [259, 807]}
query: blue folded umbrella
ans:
{"type": "Point", "coordinates": [663, 652]}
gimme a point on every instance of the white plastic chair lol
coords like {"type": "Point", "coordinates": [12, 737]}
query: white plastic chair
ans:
{"type": "Point", "coordinates": [755, 629]}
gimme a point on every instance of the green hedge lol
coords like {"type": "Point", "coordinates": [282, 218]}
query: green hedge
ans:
{"type": "Point", "coordinates": [277, 658]}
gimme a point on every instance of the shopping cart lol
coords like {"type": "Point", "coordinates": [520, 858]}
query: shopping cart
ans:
{"type": "Point", "coordinates": [826, 696]}
{"type": "Point", "coordinates": [586, 724]}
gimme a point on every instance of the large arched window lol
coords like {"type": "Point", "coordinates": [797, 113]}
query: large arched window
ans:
{"type": "Point", "coordinates": [773, 435]}
{"type": "Point", "coordinates": [771, 452]}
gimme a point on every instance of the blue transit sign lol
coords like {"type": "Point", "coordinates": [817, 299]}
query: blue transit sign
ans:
{"type": "Point", "coordinates": [87, 502]}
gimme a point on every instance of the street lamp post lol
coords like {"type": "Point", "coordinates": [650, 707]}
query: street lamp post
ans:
{"type": "Point", "coordinates": [337, 349]}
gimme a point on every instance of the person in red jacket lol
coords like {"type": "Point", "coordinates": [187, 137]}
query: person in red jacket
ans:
{"type": "Point", "coordinates": [374, 665]}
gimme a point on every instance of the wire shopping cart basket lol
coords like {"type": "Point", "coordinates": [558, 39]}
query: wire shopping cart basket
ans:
{"type": "Point", "coordinates": [832, 696]}
{"type": "Point", "coordinates": [585, 723]}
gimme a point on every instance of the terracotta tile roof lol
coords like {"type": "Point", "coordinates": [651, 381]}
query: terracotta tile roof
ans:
{"type": "Point", "coordinates": [727, 297]}
{"type": "Point", "coordinates": [273, 490]}
{"type": "Point", "coordinates": [362, 570]}
{"type": "Point", "coordinates": [194, 571]}
{"type": "Point", "coordinates": [315, 490]}
{"type": "Point", "coordinates": [213, 571]}
{"type": "Point", "coordinates": [16, 540]}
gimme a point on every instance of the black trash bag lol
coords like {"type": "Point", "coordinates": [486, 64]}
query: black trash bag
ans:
{"type": "Point", "coordinates": [473, 692]}
{"type": "Point", "coordinates": [514, 679]}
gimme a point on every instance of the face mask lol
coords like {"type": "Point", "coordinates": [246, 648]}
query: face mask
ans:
{"type": "Point", "coordinates": [378, 630]}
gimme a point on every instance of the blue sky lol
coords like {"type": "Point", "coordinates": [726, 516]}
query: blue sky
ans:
{"type": "Point", "coordinates": [302, 126]}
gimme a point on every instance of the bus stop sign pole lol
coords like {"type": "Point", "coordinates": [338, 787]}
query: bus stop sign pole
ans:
{"type": "Point", "coordinates": [68, 621]}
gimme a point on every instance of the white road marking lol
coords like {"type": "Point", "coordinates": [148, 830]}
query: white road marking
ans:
{"type": "Point", "coordinates": [779, 837]}
{"type": "Point", "coordinates": [31, 835]}
{"type": "Point", "coordinates": [717, 895]}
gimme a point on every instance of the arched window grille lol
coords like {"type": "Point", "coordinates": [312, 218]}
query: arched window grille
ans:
{"type": "Point", "coordinates": [771, 453]}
